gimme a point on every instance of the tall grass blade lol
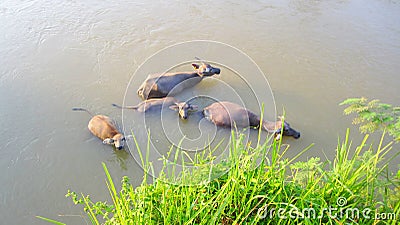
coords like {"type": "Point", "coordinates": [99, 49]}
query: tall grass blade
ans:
{"type": "Point", "coordinates": [50, 220]}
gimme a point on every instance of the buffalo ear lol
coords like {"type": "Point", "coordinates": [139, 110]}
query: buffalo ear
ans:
{"type": "Point", "coordinates": [108, 141]}
{"type": "Point", "coordinates": [174, 107]}
{"type": "Point", "coordinates": [195, 66]}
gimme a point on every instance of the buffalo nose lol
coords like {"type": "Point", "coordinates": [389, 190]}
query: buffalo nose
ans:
{"type": "Point", "coordinates": [297, 136]}
{"type": "Point", "coordinates": [119, 147]}
{"type": "Point", "coordinates": [217, 71]}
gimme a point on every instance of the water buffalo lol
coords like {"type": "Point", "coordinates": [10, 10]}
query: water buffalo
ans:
{"type": "Point", "coordinates": [104, 128]}
{"type": "Point", "coordinates": [229, 114]}
{"type": "Point", "coordinates": [162, 85]}
{"type": "Point", "coordinates": [156, 104]}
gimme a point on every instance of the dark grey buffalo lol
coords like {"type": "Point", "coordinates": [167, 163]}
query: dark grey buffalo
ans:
{"type": "Point", "coordinates": [228, 114]}
{"type": "Point", "coordinates": [162, 85]}
{"type": "Point", "coordinates": [158, 103]}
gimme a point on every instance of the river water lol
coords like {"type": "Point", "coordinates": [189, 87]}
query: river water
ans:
{"type": "Point", "coordinates": [59, 54]}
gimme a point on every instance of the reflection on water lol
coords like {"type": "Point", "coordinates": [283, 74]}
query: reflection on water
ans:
{"type": "Point", "coordinates": [57, 56]}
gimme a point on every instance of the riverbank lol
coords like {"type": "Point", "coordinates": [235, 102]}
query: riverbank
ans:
{"type": "Point", "coordinates": [259, 186]}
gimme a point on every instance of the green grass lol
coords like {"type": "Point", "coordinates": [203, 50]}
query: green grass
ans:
{"type": "Point", "coordinates": [258, 186]}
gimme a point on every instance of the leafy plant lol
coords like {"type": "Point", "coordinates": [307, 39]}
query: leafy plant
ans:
{"type": "Point", "coordinates": [374, 115]}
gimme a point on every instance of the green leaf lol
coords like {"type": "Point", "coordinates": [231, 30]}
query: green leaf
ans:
{"type": "Point", "coordinates": [50, 220]}
{"type": "Point", "coordinates": [387, 119]}
{"type": "Point", "coordinates": [367, 115]}
{"type": "Point", "coordinates": [385, 106]}
{"type": "Point", "coordinates": [352, 101]}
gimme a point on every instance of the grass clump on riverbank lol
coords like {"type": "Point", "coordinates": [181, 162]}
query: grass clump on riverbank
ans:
{"type": "Point", "coordinates": [259, 186]}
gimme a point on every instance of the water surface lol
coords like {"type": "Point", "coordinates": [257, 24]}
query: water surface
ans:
{"type": "Point", "coordinates": [83, 53]}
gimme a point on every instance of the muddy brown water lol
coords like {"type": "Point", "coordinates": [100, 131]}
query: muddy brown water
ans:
{"type": "Point", "coordinates": [55, 56]}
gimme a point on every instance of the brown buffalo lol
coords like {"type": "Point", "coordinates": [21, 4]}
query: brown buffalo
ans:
{"type": "Point", "coordinates": [229, 114]}
{"type": "Point", "coordinates": [104, 128]}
